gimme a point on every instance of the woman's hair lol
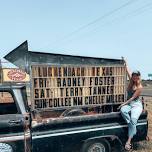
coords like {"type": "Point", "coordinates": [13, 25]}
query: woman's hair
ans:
{"type": "Point", "coordinates": [133, 83]}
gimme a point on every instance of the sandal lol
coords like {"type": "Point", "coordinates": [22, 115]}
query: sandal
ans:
{"type": "Point", "coordinates": [128, 146]}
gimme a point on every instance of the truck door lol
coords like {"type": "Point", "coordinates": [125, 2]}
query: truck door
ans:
{"type": "Point", "coordinates": [12, 135]}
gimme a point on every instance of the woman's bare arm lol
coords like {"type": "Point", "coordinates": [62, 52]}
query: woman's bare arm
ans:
{"type": "Point", "coordinates": [128, 72]}
{"type": "Point", "coordinates": [127, 68]}
{"type": "Point", "coordinates": [135, 95]}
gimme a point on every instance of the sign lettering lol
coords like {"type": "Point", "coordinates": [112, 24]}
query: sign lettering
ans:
{"type": "Point", "coordinates": [71, 86]}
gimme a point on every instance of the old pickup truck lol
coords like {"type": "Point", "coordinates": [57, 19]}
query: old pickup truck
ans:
{"type": "Point", "coordinates": [72, 107]}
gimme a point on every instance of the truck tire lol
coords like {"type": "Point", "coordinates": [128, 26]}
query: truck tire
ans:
{"type": "Point", "coordinates": [97, 145]}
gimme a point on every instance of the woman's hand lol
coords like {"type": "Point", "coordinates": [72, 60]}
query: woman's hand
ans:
{"type": "Point", "coordinates": [125, 103]}
{"type": "Point", "coordinates": [124, 60]}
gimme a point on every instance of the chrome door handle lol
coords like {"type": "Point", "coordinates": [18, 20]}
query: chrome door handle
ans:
{"type": "Point", "coordinates": [15, 121]}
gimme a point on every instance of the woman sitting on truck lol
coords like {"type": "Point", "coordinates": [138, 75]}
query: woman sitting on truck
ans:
{"type": "Point", "coordinates": [132, 108]}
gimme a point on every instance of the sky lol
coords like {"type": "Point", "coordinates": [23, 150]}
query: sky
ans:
{"type": "Point", "coordinates": [97, 28]}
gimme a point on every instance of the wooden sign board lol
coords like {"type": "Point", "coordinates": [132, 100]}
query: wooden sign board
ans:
{"type": "Point", "coordinates": [72, 86]}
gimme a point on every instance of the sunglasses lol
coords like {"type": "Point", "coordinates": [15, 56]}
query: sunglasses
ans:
{"type": "Point", "coordinates": [136, 73]}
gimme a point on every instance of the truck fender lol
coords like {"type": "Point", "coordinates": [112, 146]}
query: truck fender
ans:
{"type": "Point", "coordinates": [108, 137]}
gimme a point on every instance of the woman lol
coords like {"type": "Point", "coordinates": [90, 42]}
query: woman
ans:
{"type": "Point", "coordinates": [132, 108]}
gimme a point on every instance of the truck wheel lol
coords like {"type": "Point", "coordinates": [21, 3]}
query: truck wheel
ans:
{"type": "Point", "coordinates": [98, 145]}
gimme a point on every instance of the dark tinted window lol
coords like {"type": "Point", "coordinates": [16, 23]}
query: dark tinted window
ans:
{"type": "Point", "coordinates": [7, 103]}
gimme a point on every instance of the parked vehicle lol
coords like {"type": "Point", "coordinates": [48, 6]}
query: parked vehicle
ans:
{"type": "Point", "coordinates": [73, 104]}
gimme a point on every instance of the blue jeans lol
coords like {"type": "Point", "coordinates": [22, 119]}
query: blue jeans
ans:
{"type": "Point", "coordinates": [131, 114]}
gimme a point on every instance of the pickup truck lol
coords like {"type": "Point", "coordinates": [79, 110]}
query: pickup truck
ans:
{"type": "Point", "coordinates": [67, 111]}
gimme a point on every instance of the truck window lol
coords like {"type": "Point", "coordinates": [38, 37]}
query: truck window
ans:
{"type": "Point", "coordinates": [7, 103]}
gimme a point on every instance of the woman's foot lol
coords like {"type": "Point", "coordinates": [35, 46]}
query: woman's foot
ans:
{"type": "Point", "coordinates": [128, 146]}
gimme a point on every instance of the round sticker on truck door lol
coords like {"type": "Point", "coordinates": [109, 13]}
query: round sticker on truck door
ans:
{"type": "Point", "coordinates": [5, 147]}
